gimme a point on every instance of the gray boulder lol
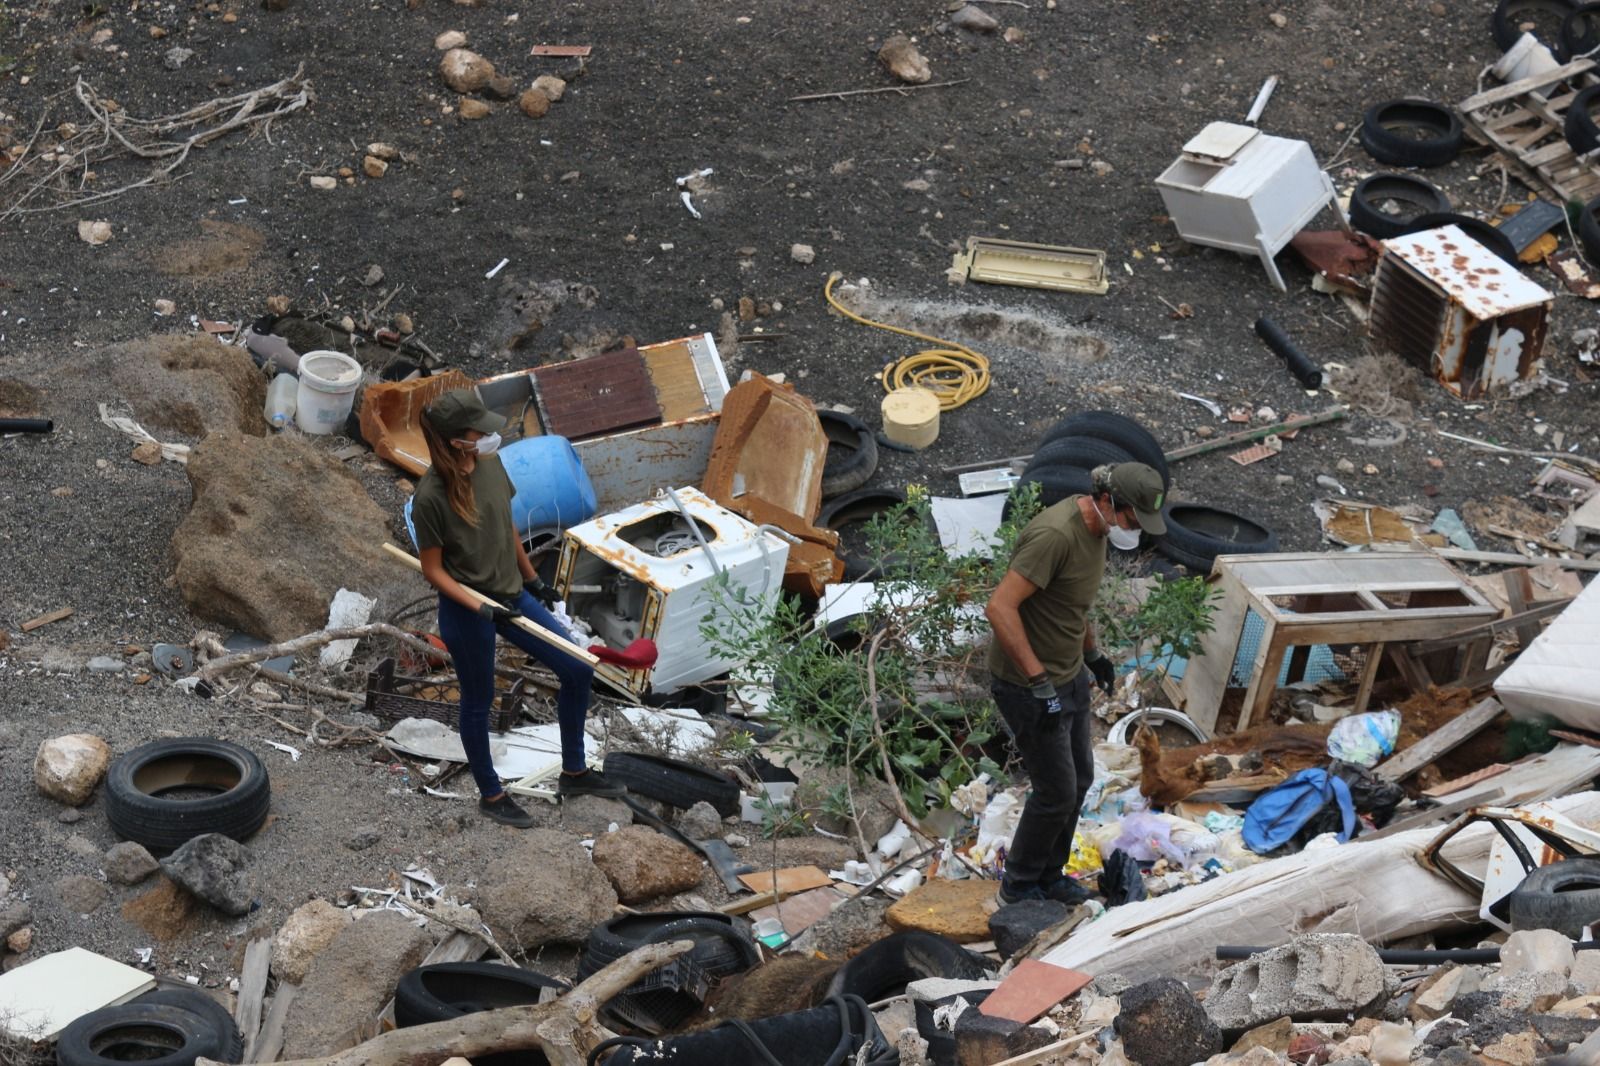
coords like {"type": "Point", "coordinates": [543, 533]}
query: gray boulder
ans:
{"type": "Point", "coordinates": [1317, 977]}
{"type": "Point", "coordinates": [349, 982]}
{"type": "Point", "coordinates": [212, 868]}
{"type": "Point", "coordinates": [129, 863]}
{"type": "Point", "coordinates": [542, 889]}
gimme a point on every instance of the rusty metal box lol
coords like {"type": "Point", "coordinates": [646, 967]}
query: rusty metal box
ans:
{"type": "Point", "coordinates": [1449, 305]}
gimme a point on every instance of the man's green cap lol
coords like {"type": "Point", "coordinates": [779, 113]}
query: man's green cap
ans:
{"type": "Point", "coordinates": [1138, 486]}
{"type": "Point", "coordinates": [456, 412]}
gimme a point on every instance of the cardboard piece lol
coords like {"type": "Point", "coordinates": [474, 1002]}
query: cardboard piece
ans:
{"type": "Point", "coordinates": [45, 996]}
{"type": "Point", "coordinates": [1031, 989]}
{"type": "Point", "coordinates": [789, 881]}
{"type": "Point", "coordinates": [799, 913]}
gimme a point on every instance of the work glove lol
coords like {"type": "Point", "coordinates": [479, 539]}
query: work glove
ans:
{"type": "Point", "coordinates": [546, 595]}
{"type": "Point", "coordinates": [1044, 694]}
{"type": "Point", "coordinates": [1105, 675]}
{"type": "Point", "coordinates": [493, 612]}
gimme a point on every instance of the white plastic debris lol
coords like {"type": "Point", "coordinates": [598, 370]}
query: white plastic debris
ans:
{"type": "Point", "coordinates": [348, 610]}
{"type": "Point", "coordinates": [178, 453]}
{"type": "Point", "coordinates": [287, 749]}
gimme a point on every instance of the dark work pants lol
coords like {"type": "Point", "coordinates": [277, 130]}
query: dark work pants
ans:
{"type": "Point", "coordinates": [470, 638]}
{"type": "Point", "coordinates": [1059, 758]}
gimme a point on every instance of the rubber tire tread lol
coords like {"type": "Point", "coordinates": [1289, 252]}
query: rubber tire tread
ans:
{"type": "Point", "coordinates": [1546, 899]}
{"type": "Point", "coordinates": [1197, 564]}
{"type": "Point", "coordinates": [1056, 483]}
{"type": "Point", "coordinates": [859, 567]}
{"type": "Point", "coordinates": [1506, 33]}
{"type": "Point", "coordinates": [1485, 233]}
{"type": "Point", "coordinates": [731, 950]}
{"type": "Point", "coordinates": [1365, 217]}
{"type": "Point", "coordinates": [1582, 133]}
{"type": "Point", "coordinates": [75, 1046]}
{"type": "Point", "coordinates": [856, 467]}
{"type": "Point", "coordinates": [673, 782]}
{"type": "Point", "coordinates": [209, 1010]}
{"type": "Point", "coordinates": [165, 825]}
{"type": "Point", "coordinates": [887, 966]}
{"type": "Point", "coordinates": [1589, 229]}
{"type": "Point", "coordinates": [1396, 149]}
{"type": "Point", "coordinates": [1083, 452]}
{"type": "Point", "coordinates": [798, 1038]}
{"type": "Point", "coordinates": [1571, 43]}
{"type": "Point", "coordinates": [1116, 429]}
{"type": "Point", "coordinates": [416, 1004]}
{"type": "Point", "coordinates": [1203, 547]}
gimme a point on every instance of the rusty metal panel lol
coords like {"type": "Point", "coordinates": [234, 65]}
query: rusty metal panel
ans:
{"type": "Point", "coordinates": [601, 394]}
{"type": "Point", "coordinates": [626, 468]}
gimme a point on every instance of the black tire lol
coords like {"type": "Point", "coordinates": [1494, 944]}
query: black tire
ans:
{"type": "Point", "coordinates": [1116, 429]}
{"type": "Point", "coordinates": [1583, 134]}
{"type": "Point", "coordinates": [886, 967]}
{"type": "Point", "coordinates": [860, 506]}
{"type": "Point", "coordinates": [448, 990]}
{"type": "Point", "coordinates": [209, 1011]}
{"type": "Point", "coordinates": [1589, 229]}
{"type": "Point", "coordinates": [1580, 30]}
{"type": "Point", "coordinates": [799, 1038]}
{"type": "Point", "coordinates": [723, 944]}
{"type": "Point", "coordinates": [852, 453]}
{"type": "Point", "coordinates": [1056, 483]}
{"type": "Point", "coordinates": [1196, 535]}
{"type": "Point", "coordinates": [1085, 453]}
{"type": "Point", "coordinates": [1503, 23]}
{"type": "Point", "coordinates": [149, 1033]}
{"type": "Point", "coordinates": [140, 785]}
{"type": "Point", "coordinates": [1484, 233]}
{"type": "Point", "coordinates": [1366, 216]}
{"type": "Point", "coordinates": [673, 782]}
{"type": "Point", "coordinates": [1564, 896]}
{"type": "Point", "coordinates": [1411, 133]}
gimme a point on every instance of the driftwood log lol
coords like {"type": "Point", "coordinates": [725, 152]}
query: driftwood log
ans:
{"type": "Point", "coordinates": [565, 1029]}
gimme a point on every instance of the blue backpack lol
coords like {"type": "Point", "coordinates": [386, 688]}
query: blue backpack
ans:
{"type": "Point", "coordinates": [1279, 813]}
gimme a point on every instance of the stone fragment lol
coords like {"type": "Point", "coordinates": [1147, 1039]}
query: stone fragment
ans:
{"type": "Point", "coordinates": [1014, 35]}
{"type": "Point", "coordinates": [349, 982]}
{"type": "Point", "coordinates": [67, 768]}
{"type": "Point", "coordinates": [974, 18]}
{"type": "Point", "coordinates": [373, 167]}
{"type": "Point", "coordinates": [473, 108]}
{"type": "Point", "coordinates": [387, 152]}
{"type": "Point", "coordinates": [363, 837]}
{"type": "Point", "coordinates": [543, 888]}
{"type": "Point", "coordinates": [501, 87]}
{"type": "Point", "coordinates": [1535, 991]}
{"type": "Point", "coordinates": [176, 56]}
{"type": "Point", "coordinates": [323, 182]}
{"type": "Point", "coordinates": [1392, 1044]}
{"type": "Point", "coordinates": [15, 917]}
{"type": "Point", "coordinates": [1584, 978]}
{"type": "Point", "coordinates": [803, 254]}
{"type": "Point", "coordinates": [303, 936]}
{"type": "Point", "coordinates": [21, 940]}
{"type": "Point", "coordinates": [465, 71]}
{"type": "Point", "coordinates": [80, 895]}
{"type": "Point", "coordinates": [449, 39]}
{"type": "Point", "coordinates": [128, 863]}
{"type": "Point", "coordinates": [700, 822]}
{"type": "Point", "coordinates": [165, 307]}
{"type": "Point", "coordinates": [1536, 951]}
{"type": "Point", "coordinates": [1313, 977]}
{"type": "Point", "coordinates": [904, 61]}
{"type": "Point", "coordinates": [1012, 927]}
{"type": "Point", "coordinates": [213, 868]}
{"type": "Point", "coordinates": [1435, 995]}
{"type": "Point", "coordinates": [1517, 1049]}
{"type": "Point", "coordinates": [930, 989]}
{"type": "Point", "coordinates": [534, 103]}
{"type": "Point", "coordinates": [982, 1040]}
{"type": "Point", "coordinates": [850, 927]}
{"type": "Point", "coordinates": [1161, 1024]}
{"type": "Point", "coordinates": [1275, 1036]}
{"type": "Point", "coordinates": [956, 909]}
{"type": "Point", "coordinates": [94, 232]}
{"type": "Point", "coordinates": [551, 86]}
{"type": "Point", "coordinates": [147, 453]}
{"type": "Point", "coordinates": [643, 864]}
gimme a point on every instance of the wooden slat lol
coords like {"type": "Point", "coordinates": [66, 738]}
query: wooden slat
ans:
{"type": "Point", "coordinates": [1509, 118]}
{"type": "Point", "coordinates": [46, 619]}
{"type": "Point", "coordinates": [1519, 590]}
{"type": "Point", "coordinates": [252, 990]}
{"type": "Point", "coordinates": [1433, 814]}
{"type": "Point", "coordinates": [1515, 89]}
{"type": "Point", "coordinates": [269, 1042]}
{"type": "Point", "coordinates": [1513, 559]}
{"type": "Point", "coordinates": [1369, 674]}
{"type": "Point", "coordinates": [1453, 733]}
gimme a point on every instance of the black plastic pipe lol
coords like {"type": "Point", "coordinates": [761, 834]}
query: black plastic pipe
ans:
{"type": "Point", "coordinates": [1305, 371]}
{"type": "Point", "coordinates": [1393, 956]}
{"type": "Point", "coordinates": [26, 425]}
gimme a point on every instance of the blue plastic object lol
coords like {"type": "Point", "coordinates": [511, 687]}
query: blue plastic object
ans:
{"type": "Point", "coordinates": [1277, 814]}
{"type": "Point", "coordinates": [553, 489]}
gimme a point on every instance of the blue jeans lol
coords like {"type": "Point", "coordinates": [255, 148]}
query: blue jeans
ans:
{"type": "Point", "coordinates": [470, 638]}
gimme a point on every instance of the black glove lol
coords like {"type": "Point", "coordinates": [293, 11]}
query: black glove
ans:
{"type": "Point", "coordinates": [546, 595]}
{"type": "Point", "coordinates": [1044, 694]}
{"type": "Point", "coordinates": [495, 613]}
{"type": "Point", "coordinates": [1105, 675]}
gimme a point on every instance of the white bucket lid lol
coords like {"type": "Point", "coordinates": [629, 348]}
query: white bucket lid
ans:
{"type": "Point", "coordinates": [329, 371]}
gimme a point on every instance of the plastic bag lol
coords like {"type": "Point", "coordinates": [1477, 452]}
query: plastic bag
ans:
{"type": "Point", "coordinates": [1121, 881]}
{"type": "Point", "coordinates": [1085, 857]}
{"type": "Point", "coordinates": [1364, 739]}
{"type": "Point", "coordinates": [1147, 836]}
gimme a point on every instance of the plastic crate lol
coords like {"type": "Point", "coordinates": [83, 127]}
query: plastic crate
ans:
{"type": "Point", "coordinates": [389, 700]}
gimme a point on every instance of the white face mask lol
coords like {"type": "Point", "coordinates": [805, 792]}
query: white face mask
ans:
{"type": "Point", "coordinates": [486, 445]}
{"type": "Point", "coordinates": [1124, 539]}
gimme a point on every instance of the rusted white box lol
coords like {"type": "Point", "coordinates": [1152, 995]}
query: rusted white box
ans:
{"type": "Point", "coordinates": [1449, 305]}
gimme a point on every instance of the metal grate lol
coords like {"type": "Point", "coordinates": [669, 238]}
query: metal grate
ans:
{"type": "Point", "coordinates": [601, 394]}
{"type": "Point", "coordinates": [1325, 664]}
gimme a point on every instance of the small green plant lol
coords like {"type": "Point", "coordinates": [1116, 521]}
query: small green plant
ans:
{"type": "Point", "coordinates": [1158, 627]}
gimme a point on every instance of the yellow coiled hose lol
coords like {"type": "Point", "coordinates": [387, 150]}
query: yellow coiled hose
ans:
{"type": "Point", "coordinates": [952, 372]}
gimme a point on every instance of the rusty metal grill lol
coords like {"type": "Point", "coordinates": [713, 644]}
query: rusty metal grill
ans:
{"type": "Point", "coordinates": [1408, 314]}
{"type": "Point", "coordinates": [601, 394]}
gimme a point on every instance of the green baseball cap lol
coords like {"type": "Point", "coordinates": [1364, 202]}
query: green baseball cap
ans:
{"type": "Point", "coordinates": [456, 412]}
{"type": "Point", "coordinates": [1139, 487]}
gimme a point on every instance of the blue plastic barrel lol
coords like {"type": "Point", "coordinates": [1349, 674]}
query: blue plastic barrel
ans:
{"type": "Point", "coordinates": [553, 490]}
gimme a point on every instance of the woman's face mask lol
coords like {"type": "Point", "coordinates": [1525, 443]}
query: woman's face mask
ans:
{"type": "Point", "coordinates": [485, 445]}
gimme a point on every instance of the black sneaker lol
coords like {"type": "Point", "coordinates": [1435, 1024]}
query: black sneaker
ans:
{"type": "Point", "coordinates": [1017, 891]}
{"type": "Point", "coordinates": [589, 783]}
{"type": "Point", "coordinates": [505, 811]}
{"type": "Point", "coordinates": [1067, 890]}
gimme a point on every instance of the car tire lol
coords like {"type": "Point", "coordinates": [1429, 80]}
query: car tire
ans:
{"type": "Point", "coordinates": [666, 998]}
{"type": "Point", "coordinates": [149, 1033]}
{"type": "Point", "coordinates": [852, 453]}
{"type": "Point", "coordinates": [1402, 188]}
{"type": "Point", "coordinates": [673, 782]}
{"type": "Point", "coordinates": [449, 990]}
{"type": "Point", "coordinates": [1503, 23]}
{"type": "Point", "coordinates": [209, 1011]}
{"type": "Point", "coordinates": [1116, 429]}
{"type": "Point", "coordinates": [1085, 453]}
{"type": "Point", "coordinates": [1582, 132]}
{"type": "Point", "coordinates": [887, 966]}
{"type": "Point", "coordinates": [139, 792]}
{"type": "Point", "coordinates": [862, 505]}
{"type": "Point", "coordinates": [1056, 483]}
{"type": "Point", "coordinates": [1589, 230]}
{"type": "Point", "coordinates": [1580, 30]}
{"type": "Point", "coordinates": [1563, 895]}
{"type": "Point", "coordinates": [1197, 534]}
{"type": "Point", "coordinates": [801, 1038]}
{"type": "Point", "coordinates": [1485, 233]}
{"type": "Point", "coordinates": [1386, 133]}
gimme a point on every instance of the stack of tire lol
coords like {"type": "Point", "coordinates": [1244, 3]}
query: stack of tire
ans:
{"type": "Point", "coordinates": [1074, 446]}
{"type": "Point", "coordinates": [172, 1025]}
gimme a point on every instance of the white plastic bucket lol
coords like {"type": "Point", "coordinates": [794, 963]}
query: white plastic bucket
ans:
{"type": "Point", "coordinates": [1524, 59]}
{"type": "Point", "coordinates": [327, 391]}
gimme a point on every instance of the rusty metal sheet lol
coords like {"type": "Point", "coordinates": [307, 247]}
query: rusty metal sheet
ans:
{"type": "Point", "coordinates": [1485, 285]}
{"type": "Point", "coordinates": [642, 463]}
{"type": "Point", "coordinates": [601, 394]}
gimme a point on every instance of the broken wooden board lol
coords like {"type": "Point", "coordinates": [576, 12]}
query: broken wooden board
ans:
{"type": "Point", "coordinates": [1457, 731]}
{"type": "Point", "coordinates": [1030, 990]}
{"type": "Point", "coordinates": [57, 615]}
{"type": "Point", "coordinates": [788, 881]}
{"type": "Point", "coordinates": [1526, 121]}
{"type": "Point", "coordinates": [1456, 784]}
{"type": "Point", "coordinates": [269, 1042]}
{"type": "Point", "coordinates": [1378, 891]}
{"type": "Point", "coordinates": [252, 990]}
{"type": "Point", "coordinates": [802, 911]}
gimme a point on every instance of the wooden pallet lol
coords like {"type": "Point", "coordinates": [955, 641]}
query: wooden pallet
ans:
{"type": "Point", "coordinates": [1529, 129]}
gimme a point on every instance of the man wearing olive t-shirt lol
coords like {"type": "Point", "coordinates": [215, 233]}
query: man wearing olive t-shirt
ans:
{"type": "Point", "coordinates": [1043, 654]}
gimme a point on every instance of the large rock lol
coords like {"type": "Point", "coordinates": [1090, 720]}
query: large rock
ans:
{"type": "Point", "coordinates": [643, 864]}
{"type": "Point", "coordinates": [904, 61]}
{"type": "Point", "coordinates": [303, 936]}
{"type": "Point", "coordinates": [1161, 1024]}
{"type": "Point", "coordinates": [213, 868]}
{"type": "Point", "coordinates": [80, 895]}
{"type": "Point", "coordinates": [1435, 996]}
{"type": "Point", "coordinates": [276, 528]}
{"type": "Point", "coordinates": [1536, 951]}
{"type": "Point", "coordinates": [1320, 976]}
{"type": "Point", "coordinates": [593, 816]}
{"type": "Point", "coordinates": [701, 822]}
{"type": "Point", "coordinates": [848, 928]}
{"type": "Point", "coordinates": [350, 981]}
{"type": "Point", "coordinates": [1011, 927]}
{"type": "Point", "coordinates": [875, 811]}
{"type": "Point", "coordinates": [190, 385]}
{"type": "Point", "coordinates": [68, 767]}
{"type": "Point", "coordinates": [956, 909]}
{"type": "Point", "coordinates": [982, 1040]}
{"type": "Point", "coordinates": [543, 889]}
{"type": "Point", "coordinates": [465, 71]}
{"type": "Point", "coordinates": [128, 863]}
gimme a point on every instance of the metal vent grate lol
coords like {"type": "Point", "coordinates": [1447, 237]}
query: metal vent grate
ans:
{"type": "Point", "coordinates": [1408, 313]}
